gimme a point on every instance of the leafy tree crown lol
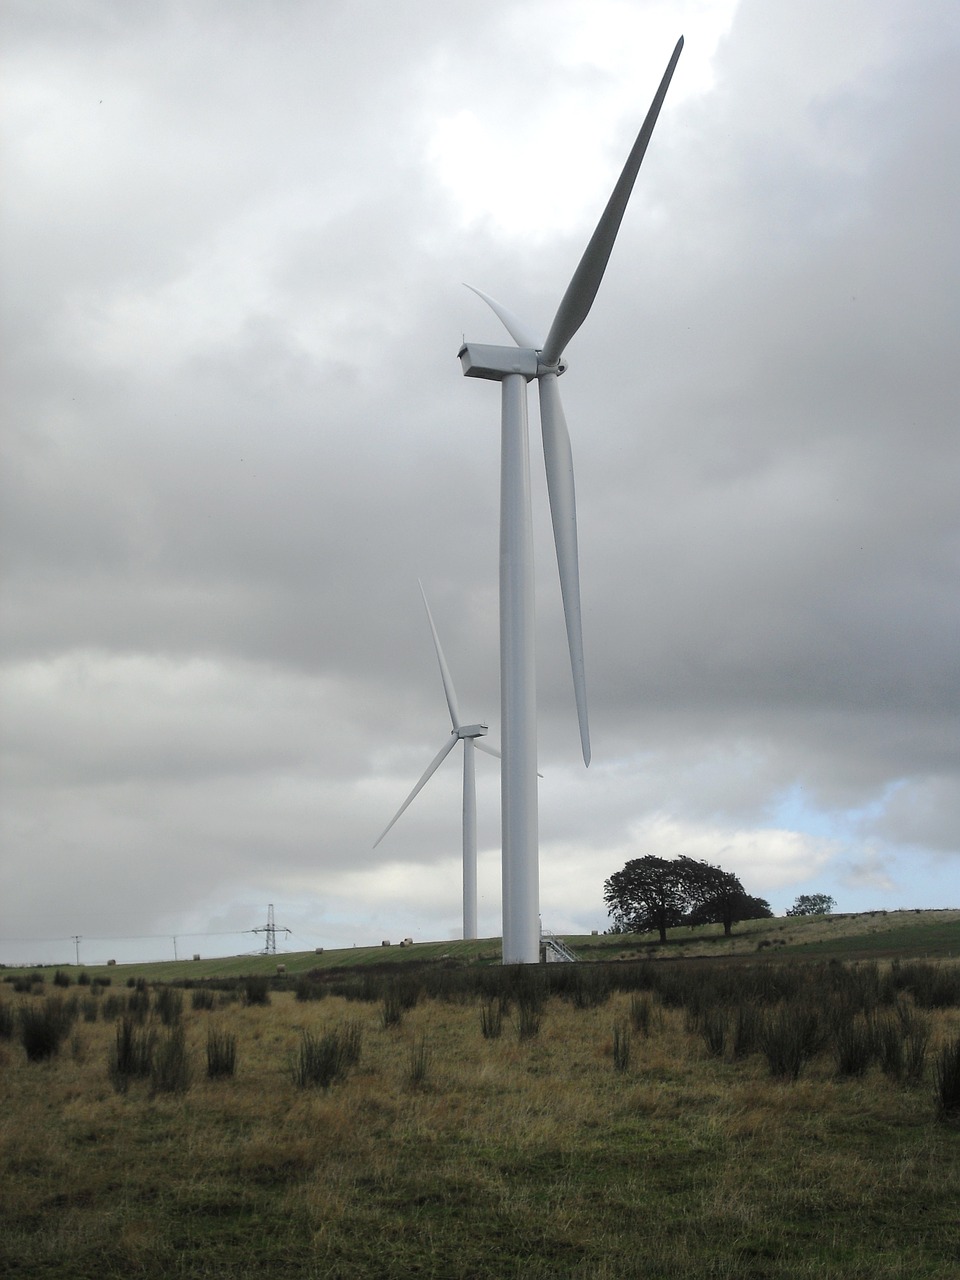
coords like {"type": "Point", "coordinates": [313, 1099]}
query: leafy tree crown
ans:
{"type": "Point", "coordinates": [812, 904]}
{"type": "Point", "coordinates": [652, 893]}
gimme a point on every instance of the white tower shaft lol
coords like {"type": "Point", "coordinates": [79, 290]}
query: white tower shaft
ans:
{"type": "Point", "coordinates": [518, 697]}
{"type": "Point", "coordinates": [469, 839]}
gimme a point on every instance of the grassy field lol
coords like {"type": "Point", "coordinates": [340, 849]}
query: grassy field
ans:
{"type": "Point", "coordinates": [629, 1121]}
{"type": "Point", "coordinates": [927, 933]}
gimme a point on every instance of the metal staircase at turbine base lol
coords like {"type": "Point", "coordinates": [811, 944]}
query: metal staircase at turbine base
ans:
{"type": "Point", "coordinates": [554, 950]}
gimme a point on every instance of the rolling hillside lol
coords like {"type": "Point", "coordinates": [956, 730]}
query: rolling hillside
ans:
{"type": "Point", "coordinates": [874, 934]}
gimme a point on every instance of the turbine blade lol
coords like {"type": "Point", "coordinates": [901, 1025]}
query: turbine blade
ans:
{"type": "Point", "coordinates": [558, 460]}
{"type": "Point", "coordinates": [430, 770]}
{"type": "Point", "coordinates": [582, 289]}
{"type": "Point", "coordinates": [518, 331]}
{"type": "Point", "coordinates": [445, 676]}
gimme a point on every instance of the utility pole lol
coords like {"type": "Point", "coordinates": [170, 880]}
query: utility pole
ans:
{"type": "Point", "coordinates": [270, 929]}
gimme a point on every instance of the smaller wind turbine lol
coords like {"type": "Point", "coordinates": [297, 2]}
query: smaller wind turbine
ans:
{"type": "Point", "coordinates": [470, 735]}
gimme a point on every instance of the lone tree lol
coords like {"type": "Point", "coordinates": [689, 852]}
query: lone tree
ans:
{"type": "Point", "coordinates": [812, 904]}
{"type": "Point", "coordinates": [649, 893]}
{"type": "Point", "coordinates": [723, 900]}
{"type": "Point", "coordinates": [661, 893]}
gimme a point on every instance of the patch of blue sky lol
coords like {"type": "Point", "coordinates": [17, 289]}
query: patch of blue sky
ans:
{"type": "Point", "coordinates": [794, 809]}
{"type": "Point", "coordinates": [867, 871]}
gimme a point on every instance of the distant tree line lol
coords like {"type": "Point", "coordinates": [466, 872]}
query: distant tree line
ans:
{"type": "Point", "coordinates": [662, 893]}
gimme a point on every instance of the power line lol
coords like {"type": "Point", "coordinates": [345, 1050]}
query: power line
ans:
{"type": "Point", "coordinates": [132, 937]}
{"type": "Point", "coordinates": [270, 930]}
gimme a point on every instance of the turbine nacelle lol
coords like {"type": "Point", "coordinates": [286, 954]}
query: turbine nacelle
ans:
{"type": "Point", "coordinates": [481, 360]}
{"type": "Point", "coordinates": [471, 731]}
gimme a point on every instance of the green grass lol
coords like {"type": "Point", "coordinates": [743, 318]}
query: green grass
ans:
{"type": "Point", "coordinates": [482, 951]}
{"type": "Point", "coordinates": [940, 939]}
{"type": "Point", "coordinates": [929, 933]}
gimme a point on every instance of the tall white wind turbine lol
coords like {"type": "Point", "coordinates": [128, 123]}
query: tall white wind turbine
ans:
{"type": "Point", "coordinates": [513, 368]}
{"type": "Point", "coordinates": [469, 735]}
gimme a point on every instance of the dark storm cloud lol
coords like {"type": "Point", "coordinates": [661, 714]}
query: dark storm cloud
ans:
{"type": "Point", "coordinates": [236, 434]}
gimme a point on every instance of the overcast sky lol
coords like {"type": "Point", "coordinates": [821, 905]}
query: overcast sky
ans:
{"type": "Point", "coordinates": [236, 433]}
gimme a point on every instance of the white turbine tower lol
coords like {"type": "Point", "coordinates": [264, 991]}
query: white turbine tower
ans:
{"type": "Point", "coordinates": [469, 735]}
{"type": "Point", "coordinates": [513, 368]}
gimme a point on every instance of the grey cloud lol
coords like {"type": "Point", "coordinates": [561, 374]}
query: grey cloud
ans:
{"type": "Point", "coordinates": [237, 434]}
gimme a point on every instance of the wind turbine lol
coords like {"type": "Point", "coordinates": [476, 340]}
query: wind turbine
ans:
{"type": "Point", "coordinates": [513, 368]}
{"type": "Point", "coordinates": [469, 735]}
